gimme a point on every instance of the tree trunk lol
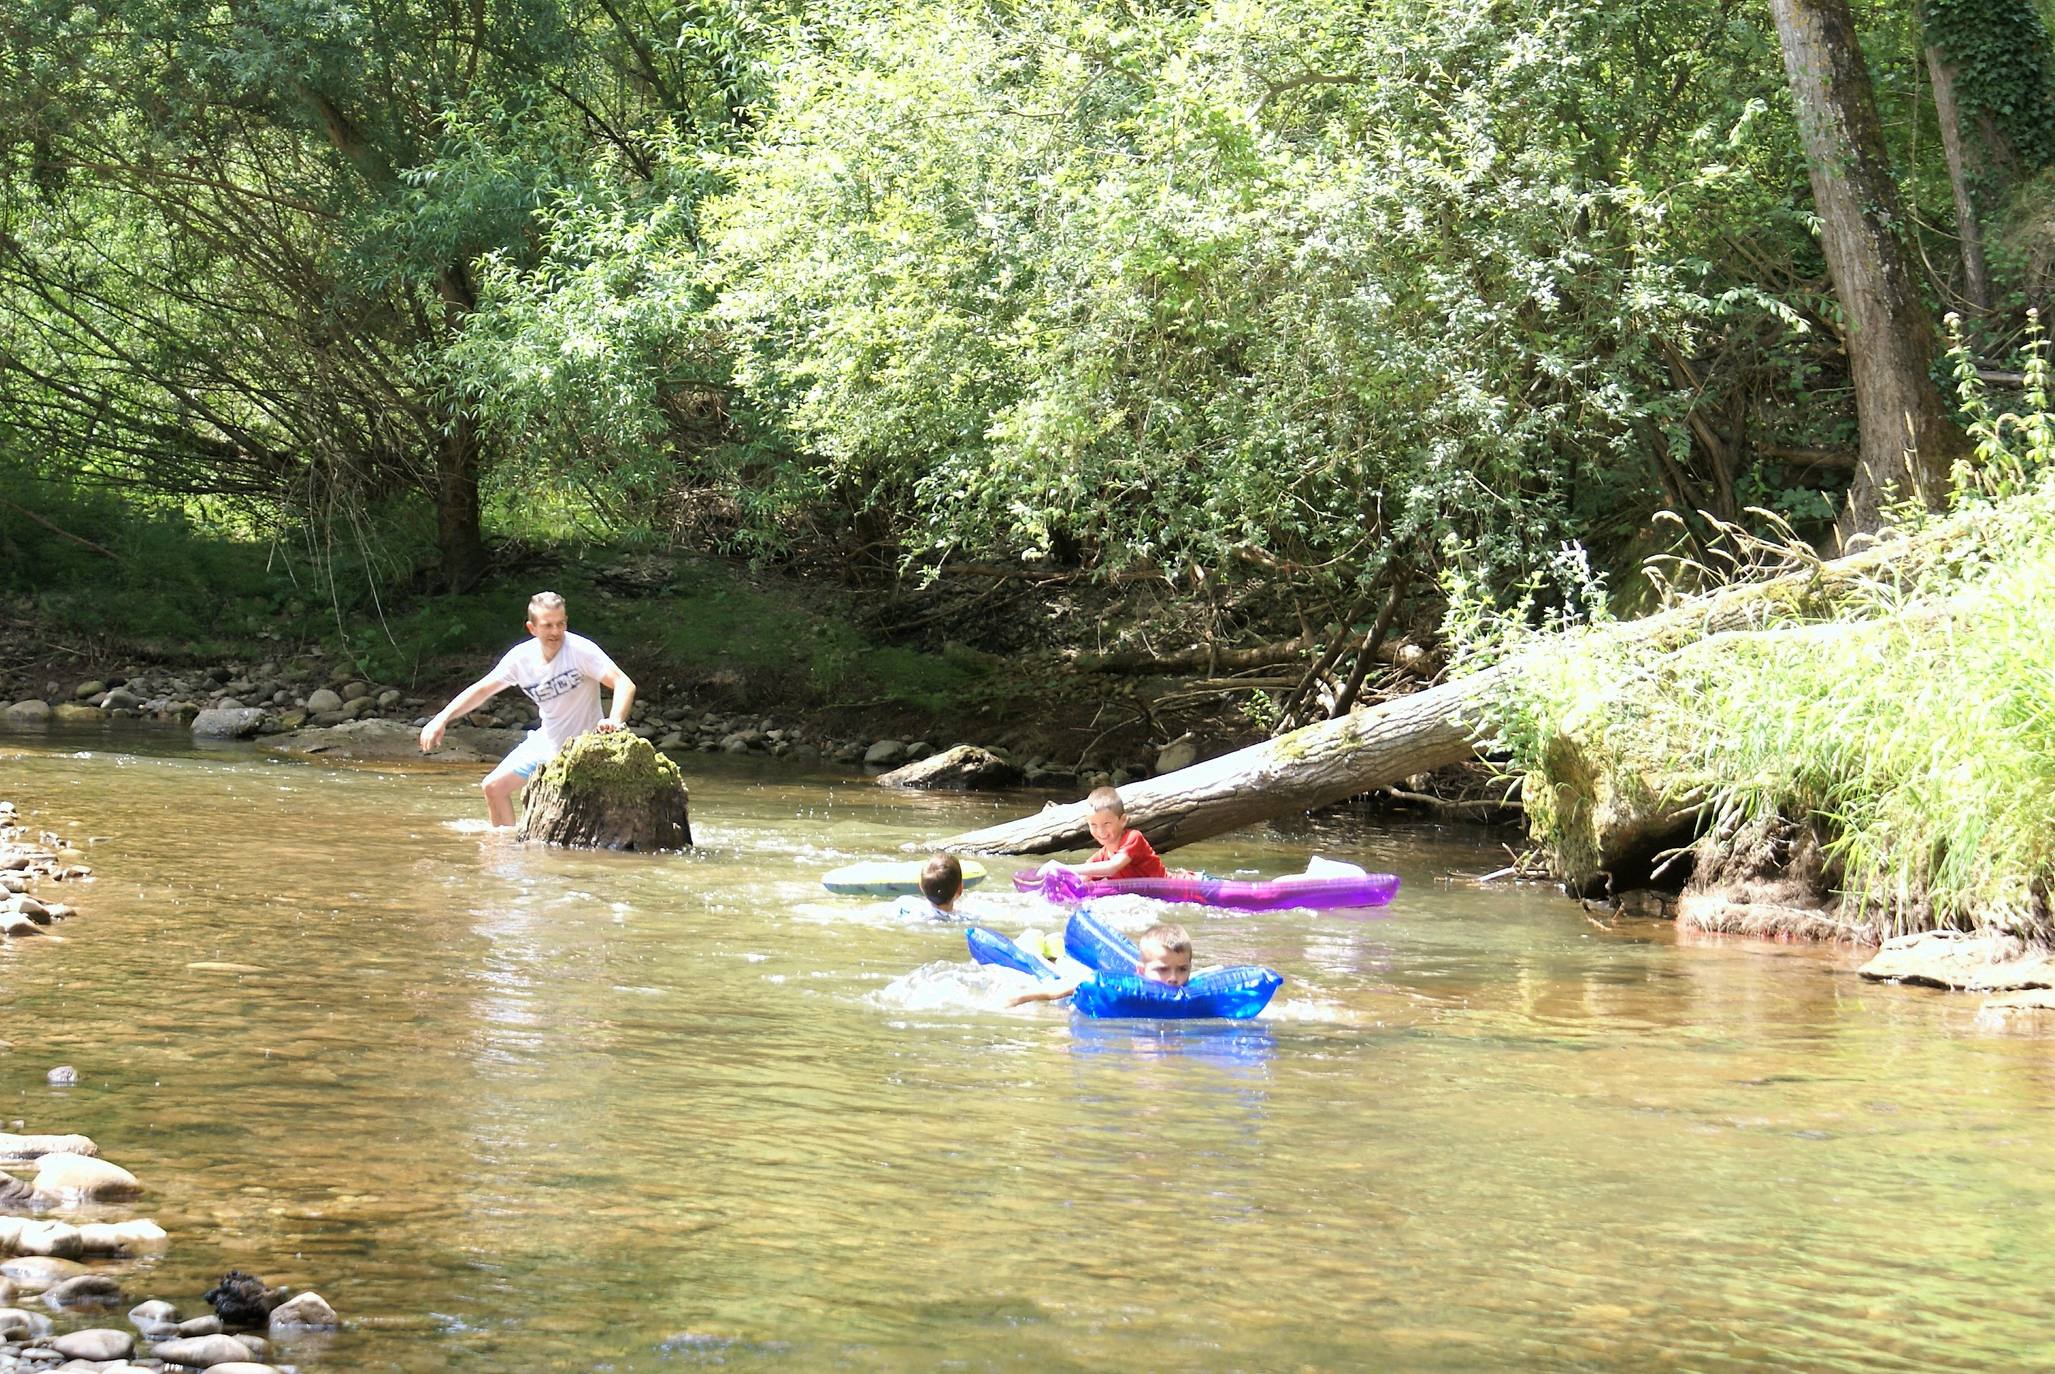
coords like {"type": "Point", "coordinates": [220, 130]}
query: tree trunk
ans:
{"type": "Point", "coordinates": [1334, 760]}
{"type": "Point", "coordinates": [1317, 766]}
{"type": "Point", "coordinates": [459, 535]}
{"type": "Point", "coordinates": [608, 792]}
{"type": "Point", "coordinates": [1909, 442]}
{"type": "Point", "coordinates": [1976, 280]}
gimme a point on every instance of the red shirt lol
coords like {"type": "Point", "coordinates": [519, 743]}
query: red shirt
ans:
{"type": "Point", "coordinates": [1141, 857]}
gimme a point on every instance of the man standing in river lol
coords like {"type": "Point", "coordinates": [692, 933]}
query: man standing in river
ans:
{"type": "Point", "coordinates": [562, 674]}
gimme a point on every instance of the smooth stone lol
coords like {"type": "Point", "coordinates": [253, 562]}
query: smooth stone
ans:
{"type": "Point", "coordinates": [307, 1311]}
{"type": "Point", "coordinates": [95, 1343]}
{"type": "Point", "coordinates": [34, 1273]}
{"type": "Point", "coordinates": [239, 722]}
{"type": "Point", "coordinates": [87, 1290]}
{"type": "Point", "coordinates": [122, 1238]}
{"type": "Point", "coordinates": [209, 1325]}
{"type": "Point", "coordinates": [1952, 959]}
{"type": "Point", "coordinates": [31, 908]}
{"type": "Point", "coordinates": [321, 699]}
{"type": "Point", "coordinates": [156, 1312]}
{"type": "Point", "coordinates": [49, 1239]}
{"type": "Point", "coordinates": [202, 1352]}
{"type": "Point", "coordinates": [965, 766]}
{"type": "Point", "coordinates": [83, 1178]}
{"type": "Point", "coordinates": [355, 691]}
{"type": "Point", "coordinates": [88, 689]}
{"type": "Point", "coordinates": [28, 1147]}
{"type": "Point", "coordinates": [885, 754]}
{"type": "Point", "coordinates": [34, 711]}
{"type": "Point", "coordinates": [63, 1076]}
{"type": "Point", "coordinates": [77, 711]}
{"type": "Point", "coordinates": [32, 1323]}
{"type": "Point", "coordinates": [15, 925]}
{"type": "Point", "coordinates": [229, 704]}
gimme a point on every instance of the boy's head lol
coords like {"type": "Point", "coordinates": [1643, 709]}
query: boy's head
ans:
{"type": "Point", "coordinates": [1105, 815]}
{"type": "Point", "coordinates": [547, 619]}
{"type": "Point", "coordinates": [941, 882]}
{"type": "Point", "coordinates": [1166, 952]}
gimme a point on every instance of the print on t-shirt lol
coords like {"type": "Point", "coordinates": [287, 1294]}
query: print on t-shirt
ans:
{"type": "Point", "coordinates": [550, 688]}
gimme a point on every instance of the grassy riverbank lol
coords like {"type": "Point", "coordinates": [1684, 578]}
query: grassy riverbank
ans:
{"type": "Point", "coordinates": [92, 582]}
{"type": "Point", "coordinates": [1892, 767]}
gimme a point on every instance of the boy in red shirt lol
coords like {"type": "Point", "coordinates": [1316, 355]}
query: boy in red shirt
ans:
{"type": "Point", "coordinates": [1122, 853]}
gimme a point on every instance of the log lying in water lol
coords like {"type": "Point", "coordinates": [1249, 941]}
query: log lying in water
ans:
{"type": "Point", "coordinates": [1317, 766]}
{"type": "Point", "coordinates": [608, 792]}
{"type": "Point", "coordinates": [1334, 760]}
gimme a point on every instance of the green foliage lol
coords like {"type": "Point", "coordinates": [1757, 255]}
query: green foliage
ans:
{"type": "Point", "coordinates": [1915, 730]}
{"type": "Point", "coordinates": [2013, 446]}
{"type": "Point", "coordinates": [2005, 68]}
{"type": "Point", "coordinates": [1156, 286]}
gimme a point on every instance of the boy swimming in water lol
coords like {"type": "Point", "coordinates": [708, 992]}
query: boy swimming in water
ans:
{"type": "Point", "coordinates": [941, 883]}
{"type": "Point", "coordinates": [1122, 853]}
{"type": "Point", "coordinates": [1166, 957]}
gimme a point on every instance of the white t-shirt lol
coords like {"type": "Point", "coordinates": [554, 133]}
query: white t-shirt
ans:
{"type": "Point", "coordinates": [565, 689]}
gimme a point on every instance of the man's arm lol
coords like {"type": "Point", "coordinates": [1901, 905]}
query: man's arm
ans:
{"type": "Point", "coordinates": [465, 702]}
{"type": "Point", "coordinates": [623, 688]}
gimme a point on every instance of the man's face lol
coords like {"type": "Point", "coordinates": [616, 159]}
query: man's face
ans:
{"type": "Point", "coordinates": [1106, 826]}
{"type": "Point", "coordinates": [1160, 965]}
{"type": "Point", "coordinates": [549, 628]}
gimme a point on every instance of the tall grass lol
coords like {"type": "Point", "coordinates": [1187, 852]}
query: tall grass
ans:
{"type": "Point", "coordinates": [1916, 731]}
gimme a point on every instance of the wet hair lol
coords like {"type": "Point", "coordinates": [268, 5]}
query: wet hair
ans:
{"type": "Point", "coordinates": [544, 601]}
{"type": "Point", "coordinates": [941, 882]}
{"type": "Point", "coordinates": [1105, 799]}
{"type": "Point", "coordinates": [1171, 939]}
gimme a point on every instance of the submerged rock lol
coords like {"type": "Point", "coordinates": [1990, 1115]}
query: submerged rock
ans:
{"type": "Point", "coordinates": [34, 1273]}
{"type": "Point", "coordinates": [85, 1290]}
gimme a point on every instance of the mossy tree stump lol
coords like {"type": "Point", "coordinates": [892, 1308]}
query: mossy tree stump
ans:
{"type": "Point", "coordinates": [610, 791]}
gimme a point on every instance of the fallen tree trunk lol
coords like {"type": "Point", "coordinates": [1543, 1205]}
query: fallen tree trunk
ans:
{"type": "Point", "coordinates": [1317, 766]}
{"type": "Point", "coordinates": [1334, 760]}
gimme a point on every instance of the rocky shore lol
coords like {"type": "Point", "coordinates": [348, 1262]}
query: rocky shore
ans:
{"type": "Point", "coordinates": [74, 1270]}
{"type": "Point", "coordinates": [305, 706]}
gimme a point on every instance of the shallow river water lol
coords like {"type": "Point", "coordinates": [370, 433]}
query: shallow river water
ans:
{"type": "Point", "coordinates": [515, 1109]}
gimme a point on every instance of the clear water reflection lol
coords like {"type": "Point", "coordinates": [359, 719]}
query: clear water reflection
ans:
{"type": "Point", "coordinates": [533, 1110]}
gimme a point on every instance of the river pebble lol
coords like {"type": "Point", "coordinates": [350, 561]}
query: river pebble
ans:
{"type": "Point", "coordinates": [307, 1311]}
{"type": "Point", "coordinates": [202, 1352]}
{"type": "Point", "coordinates": [85, 1290]}
{"type": "Point", "coordinates": [95, 1343]}
{"type": "Point", "coordinates": [81, 1178]}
